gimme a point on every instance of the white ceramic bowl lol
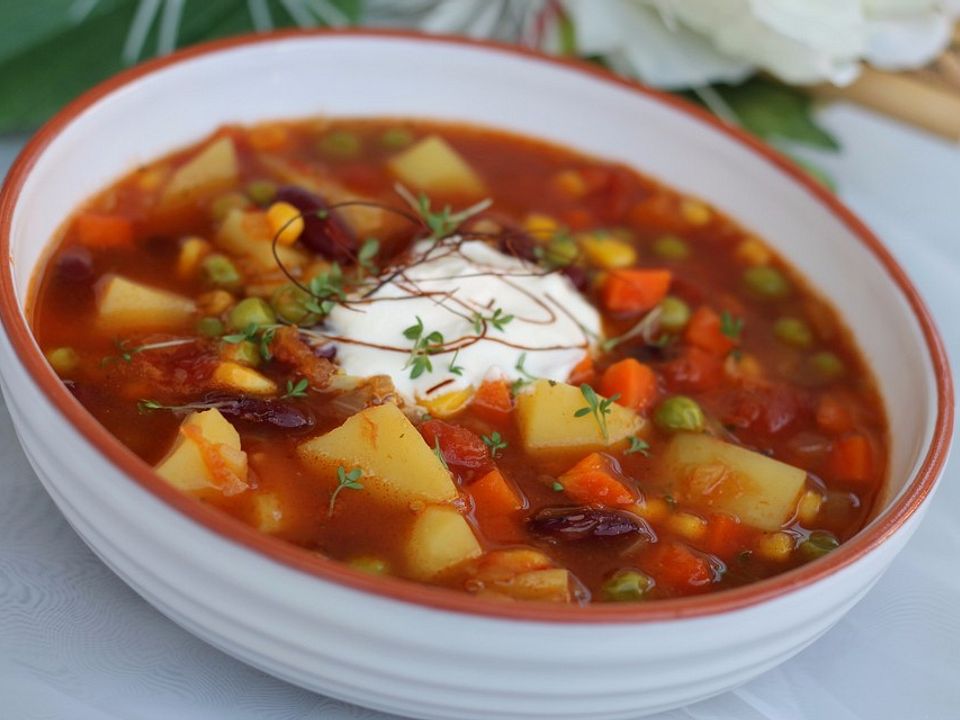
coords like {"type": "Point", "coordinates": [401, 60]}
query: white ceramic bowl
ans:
{"type": "Point", "coordinates": [390, 644]}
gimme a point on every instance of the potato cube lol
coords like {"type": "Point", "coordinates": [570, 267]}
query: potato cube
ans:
{"type": "Point", "coordinates": [398, 465]}
{"type": "Point", "coordinates": [233, 376]}
{"type": "Point", "coordinates": [123, 304]}
{"type": "Point", "coordinates": [440, 539]}
{"type": "Point", "coordinates": [248, 234]}
{"type": "Point", "coordinates": [716, 475]}
{"type": "Point", "coordinates": [268, 512]}
{"type": "Point", "coordinates": [549, 426]}
{"type": "Point", "coordinates": [212, 168]}
{"type": "Point", "coordinates": [206, 454]}
{"type": "Point", "coordinates": [434, 167]}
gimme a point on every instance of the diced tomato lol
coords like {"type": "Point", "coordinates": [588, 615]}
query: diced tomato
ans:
{"type": "Point", "coordinates": [768, 409]}
{"type": "Point", "coordinates": [497, 505]}
{"type": "Point", "coordinates": [694, 370]}
{"type": "Point", "coordinates": [583, 372]}
{"type": "Point", "coordinates": [851, 460]}
{"type": "Point", "coordinates": [634, 382]}
{"type": "Point", "coordinates": [462, 449]}
{"type": "Point", "coordinates": [102, 231]}
{"type": "Point", "coordinates": [493, 402]}
{"type": "Point", "coordinates": [833, 416]}
{"type": "Point", "coordinates": [677, 567]}
{"type": "Point", "coordinates": [593, 481]}
{"type": "Point", "coordinates": [705, 330]}
{"type": "Point", "coordinates": [634, 290]}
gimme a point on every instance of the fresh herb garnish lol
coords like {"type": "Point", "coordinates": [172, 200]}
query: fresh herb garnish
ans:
{"type": "Point", "coordinates": [453, 367]}
{"type": "Point", "coordinates": [249, 333]}
{"type": "Point", "coordinates": [326, 289]}
{"type": "Point", "coordinates": [498, 319]}
{"type": "Point", "coordinates": [259, 335]}
{"type": "Point", "coordinates": [126, 354]}
{"type": "Point", "coordinates": [597, 406]}
{"type": "Point", "coordinates": [731, 326]}
{"type": "Point", "coordinates": [557, 486]}
{"type": "Point", "coordinates": [527, 378]}
{"type": "Point", "coordinates": [439, 453]}
{"type": "Point", "coordinates": [348, 480]}
{"type": "Point", "coordinates": [367, 252]}
{"type": "Point", "coordinates": [495, 442]}
{"type": "Point", "coordinates": [444, 222]}
{"type": "Point", "coordinates": [423, 346]}
{"type": "Point", "coordinates": [296, 390]}
{"type": "Point", "coordinates": [638, 446]}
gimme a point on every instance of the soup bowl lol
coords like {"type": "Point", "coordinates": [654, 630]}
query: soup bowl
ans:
{"type": "Point", "coordinates": [387, 643]}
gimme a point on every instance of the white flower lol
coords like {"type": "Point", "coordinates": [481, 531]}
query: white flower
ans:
{"type": "Point", "coordinates": [693, 42]}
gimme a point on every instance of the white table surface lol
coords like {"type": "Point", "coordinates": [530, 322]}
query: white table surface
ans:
{"type": "Point", "coordinates": [78, 644]}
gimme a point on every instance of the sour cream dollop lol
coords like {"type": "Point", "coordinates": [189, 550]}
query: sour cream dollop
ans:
{"type": "Point", "coordinates": [447, 286]}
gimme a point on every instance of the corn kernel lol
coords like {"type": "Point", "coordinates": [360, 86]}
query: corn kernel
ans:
{"type": "Point", "coordinates": [448, 404]}
{"type": "Point", "coordinates": [775, 546]}
{"type": "Point", "coordinates": [753, 252]}
{"type": "Point", "coordinates": [232, 376]}
{"type": "Point", "coordinates": [652, 510]}
{"type": "Point", "coordinates": [267, 512]}
{"type": "Point", "coordinates": [285, 222]}
{"type": "Point", "coordinates": [809, 506]}
{"type": "Point", "coordinates": [570, 183]}
{"type": "Point", "coordinates": [64, 360]}
{"type": "Point", "coordinates": [192, 251]}
{"type": "Point", "coordinates": [215, 302]}
{"type": "Point", "coordinates": [541, 226]}
{"type": "Point", "coordinates": [607, 252]}
{"type": "Point", "coordinates": [687, 525]}
{"type": "Point", "coordinates": [695, 212]}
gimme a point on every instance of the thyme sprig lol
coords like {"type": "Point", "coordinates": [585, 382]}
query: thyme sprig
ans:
{"type": "Point", "coordinates": [126, 354]}
{"type": "Point", "coordinates": [296, 390]}
{"type": "Point", "coordinates": [731, 326]}
{"type": "Point", "coordinates": [260, 335]}
{"type": "Point", "coordinates": [495, 442]}
{"type": "Point", "coordinates": [598, 407]}
{"type": "Point", "coordinates": [424, 344]}
{"type": "Point", "coordinates": [498, 319]}
{"type": "Point", "coordinates": [638, 446]}
{"type": "Point", "coordinates": [444, 222]}
{"type": "Point", "coordinates": [345, 481]}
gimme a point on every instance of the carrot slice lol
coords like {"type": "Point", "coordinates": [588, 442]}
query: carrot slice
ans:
{"type": "Point", "coordinates": [592, 481]}
{"type": "Point", "coordinates": [635, 382]}
{"type": "Point", "coordinates": [677, 567]}
{"type": "Point", "coordinates": [98, 230]}
{"type": "Point", "coordinates": [634, 290]}
{"type": "Point", "coordinates": [851, 459]}
{"type": "Point", "coordinates": [496, 505]}
{"type": "Point", "coordinates": [493, 401]}
{"type": "Point", "coordinates": [705, 332]}
{"type": "Point", "coordinates": [833, 416]}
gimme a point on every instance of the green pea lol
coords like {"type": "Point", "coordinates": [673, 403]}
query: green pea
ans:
{"type": "Point", "coordinates": [262, 192]}
{"type": "Point", "coordinates": [340, 144]}
{"type": "Point", "coordinates": [561, 251]}
{"type": "Point", "coordinates": [64, 360]}
{"type": "Point", "coordinates": [827, 366]}
{"type": "Point", "coordinates": [370, 564]}
{"type": "Point", "coordinates": [219, 270]}
{"type": "Point", "coordinates": [251, 311]}
{"type": "Point", "coordinates": [819, 544]}
{"type": "Point", "coordinates": [679, 413]}
{"type": "Point", "coordinates": [766, 282]}
{"type": "Point", "coordinates": [670, 247]}
{"type": "Point", "coordinates": [627, 586]}
{"type": "Point", "coordinates": [396, 138]}
{"type": "Point", "coordinates": [244, 352]}
{"type": "Point", "coordinates": [674, 314]}
{"type": "Point", "coordinates": [224, 204]}
{"type": "Point", "coordinates": [793, 331]}
{"type": "Point", "coordinates": [210, 327]}
{"type": "Point", "coordinates": [290, 302]}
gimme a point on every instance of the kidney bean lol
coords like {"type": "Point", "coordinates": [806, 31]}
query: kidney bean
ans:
{"type": "Point", "coordinates": [75, 265]}
{"type": "Point", "coordinates": [581, 523]}
{"type": "Point", "coordinates": [327, 235]}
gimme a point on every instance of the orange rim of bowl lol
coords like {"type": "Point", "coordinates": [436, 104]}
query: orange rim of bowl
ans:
{"type": "Point", "coordinates": [890, 520]}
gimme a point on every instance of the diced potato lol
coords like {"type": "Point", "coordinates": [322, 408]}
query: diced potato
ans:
{"type": "Point", "coordinates": [549, 426]}
{"type": "Point", "coordinates": [248, 234]}
{"type": "Point", "coordinates": [233, 376]}
{"type": "Point", "coordinates": [211, 169]}
{"type": "Point", "coordinates": [268, 512]}
{"type": "Point", "coordinates": [123, 304]}
{"type": "Point", "coordinates": [398, 465]}
{"type": "Point", "coordinates": [434, 167]}
{"type": "Point", "coordinates": [206, 454]}
{"type": "Point", "coordinates": [440, 539]}
{"type": "Point", "coordinates": [551, 585]}
{"type": "Point", "coordinates": [709, 473]}
{"type": "Point", "coordinates": [447, 404]}
{"type": "Point", "coordinates": [519, 574]}
{"type": "Point", "coordinates": [192, 251]}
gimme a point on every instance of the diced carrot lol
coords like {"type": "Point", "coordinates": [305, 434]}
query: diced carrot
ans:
{"type": "Point", "coordinates": [676, 567]}
{"type": "Point", "coordinates": [634, 290]}
{"type": "Point", "coordinates": [493, 401]}
{"type": "Point", "coordinates": [725, 536]}
{"type": "Point", "coordinates": [635, 382]}
{"type": "Point", "coordinates": [851, 459]}
{"type": "Point", "coordinates": [833, 416]}
{"type": "Point", "coordinates": [583, 372]}
{"type": "Point", "coordinates": [705, 331]}
{"type": "Point", "coordinates": [593, 480]}
{"type": "Point", "coordinates": [497, 504]}
{"type": "Point", "coordinates": [99, 230]}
